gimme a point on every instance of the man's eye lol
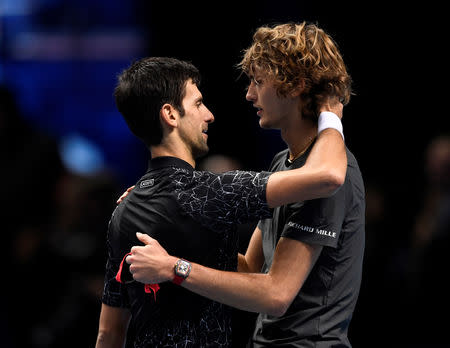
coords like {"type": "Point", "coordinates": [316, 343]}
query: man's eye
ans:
{"type": "Point", "coordinates": [257, 82]}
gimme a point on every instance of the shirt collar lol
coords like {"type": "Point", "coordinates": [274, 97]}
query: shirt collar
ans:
{"type": "Point", "coordinates": [167, 161]}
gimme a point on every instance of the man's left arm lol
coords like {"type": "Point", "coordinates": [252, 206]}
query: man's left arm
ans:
{"type": "Point", "coordinates": [113, 326]}
{"type": "Point", "coordinates": [270, 293]}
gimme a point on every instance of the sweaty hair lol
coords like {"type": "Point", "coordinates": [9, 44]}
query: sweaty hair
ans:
{"type": "Point", "coordinates": [148, 84]}
{"type": "Point", "coordinates": [293, 54]}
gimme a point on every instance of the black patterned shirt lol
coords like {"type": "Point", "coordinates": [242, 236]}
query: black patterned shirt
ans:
{"type": "Point", "coordinates": [193, 215]}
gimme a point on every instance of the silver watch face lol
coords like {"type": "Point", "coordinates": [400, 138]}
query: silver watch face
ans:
{"type": "Point", "coordinates": [183, 268]}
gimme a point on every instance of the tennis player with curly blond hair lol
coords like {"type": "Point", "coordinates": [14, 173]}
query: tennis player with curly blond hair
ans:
{"type": "Point", "coordinates": [303, 267]}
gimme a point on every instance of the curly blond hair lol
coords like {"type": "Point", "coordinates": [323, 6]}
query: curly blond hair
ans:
{"type": "Point", "coordinates": [296, 54]}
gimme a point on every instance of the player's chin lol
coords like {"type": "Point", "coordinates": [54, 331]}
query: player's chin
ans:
{"type": "Point", "coordinates": [201, 151]}
{"type": "Point", "coordinates": [264, 124]}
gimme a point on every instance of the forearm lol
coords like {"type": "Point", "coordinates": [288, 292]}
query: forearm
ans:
{"type": "Point", "coordinates": [110, 340]}
{"type": "Point", "coordinates": [270, 293]}
{"type": "Point", "coordinates": [113, 326]}
{"type": "Point", "coordinates": [253, 292]}
{"type": "Point", "coordinates": [329, 156]}
{"type": "Point", "coordinates": [253, 259]}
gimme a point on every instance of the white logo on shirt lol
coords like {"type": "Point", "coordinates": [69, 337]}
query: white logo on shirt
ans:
{"type": "Point", "coordinates": [147, 183]}
{"type": "Point", "coordinates": [312, 229]}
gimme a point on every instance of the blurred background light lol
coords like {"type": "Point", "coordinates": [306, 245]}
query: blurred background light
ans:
{"type": "Point", "coordinates": [61, 60]}
{"type": "Point", "coordinates": [81, 156]}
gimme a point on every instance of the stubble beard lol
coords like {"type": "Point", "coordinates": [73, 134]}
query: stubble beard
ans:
{"type": "Point", "coordinates": [199, 149]}
{"type": "Point", "coordinates": [198, 146]}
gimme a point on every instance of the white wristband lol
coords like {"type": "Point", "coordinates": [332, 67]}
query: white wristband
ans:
{"type": "Point", "coordinates": [328, 119]}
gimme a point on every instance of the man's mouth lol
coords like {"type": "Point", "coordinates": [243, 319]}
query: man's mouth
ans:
{"type": "Point", "coordinates": [259, 111]}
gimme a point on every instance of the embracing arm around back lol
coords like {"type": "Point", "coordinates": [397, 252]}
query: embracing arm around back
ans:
{"type": "Point", "coordinates": [270, 293]}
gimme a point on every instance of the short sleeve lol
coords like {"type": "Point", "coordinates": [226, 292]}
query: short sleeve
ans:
{"type": "Point", "coordinates": [264, 224]}
{"type": "Point", "coordinates": [317, 221]}
{"type": "Point", "coordinates": [231, 198]}
{"type": "Point", "coordinates": [114, 293]}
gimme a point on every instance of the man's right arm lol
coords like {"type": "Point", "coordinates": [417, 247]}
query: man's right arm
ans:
{"type": "Point", "coordinates": [271, 292]}
{"type": "Point", "coordinates": [113, 327]}
{"type": "Point", "coordinates": [253, 259]}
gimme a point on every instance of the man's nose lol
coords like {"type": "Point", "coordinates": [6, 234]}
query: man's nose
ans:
{"type": "Point", "coordinates": [210, 118]}
{"type": "Point", "coordinates": [250, 95]}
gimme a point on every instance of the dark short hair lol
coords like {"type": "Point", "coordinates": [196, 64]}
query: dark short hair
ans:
{"type": "Point", "coordinates": [148, 84]}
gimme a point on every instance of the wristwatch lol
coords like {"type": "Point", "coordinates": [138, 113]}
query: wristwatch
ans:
{"type": "Point", "coordinates": [181, 271]}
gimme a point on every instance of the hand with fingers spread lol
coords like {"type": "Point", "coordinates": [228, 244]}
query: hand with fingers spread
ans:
{"type": "Point", "coordinates": [150, 263]}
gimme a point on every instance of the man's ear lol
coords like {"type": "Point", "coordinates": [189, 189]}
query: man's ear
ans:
{"type": "Point", "coordinates": [169, 115]}
{"type": "Point", "coordinates": [298, 89]}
